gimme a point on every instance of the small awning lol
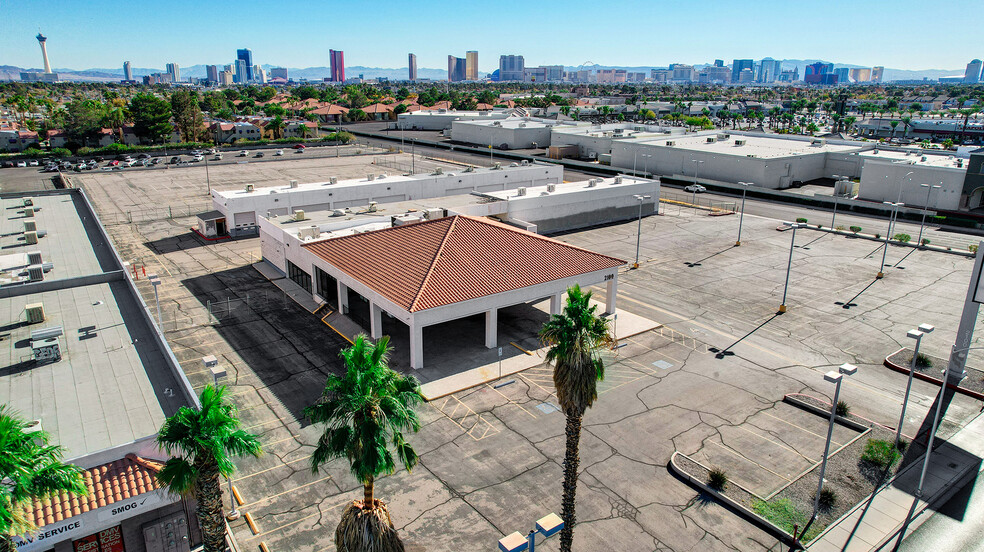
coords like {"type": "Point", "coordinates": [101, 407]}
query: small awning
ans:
{"type": "Point", "coordinates": [211, 215]}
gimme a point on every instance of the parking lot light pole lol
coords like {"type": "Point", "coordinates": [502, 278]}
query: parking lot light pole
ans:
{"type": "Point", "coordinates": [219, 373]}
{"type": "Point", "coordinates": [208, 183]}
{"type": "Point", "coordinates": [741, 215]}
{"type": "Point", "coordinates": [836, 197]}
{"type": "Point", "coordinates": [641, 199]}
{"type": "Point", "coordinates": [836, 378]}
{"type": "Point", "coordinates": [789, 265]}
{"type": "Point", "coordinates": [929, 191]}
{"type": "Point", "coordinates": [916, 334]}
{"type": "Point", "coordinates": [888, 234]}
{"type": "Point", "coordinates": [936, 422]}
{"type": "Point", "coordinates": [645, 164]}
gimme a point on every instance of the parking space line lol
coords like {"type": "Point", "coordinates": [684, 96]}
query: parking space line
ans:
{"type": "Point", "coordinates": [284, 526]}
{"type": "Point", "coordinates": [271, 468]}
{"type": "Point", "coordinates": [745, 458]}
{"type": "Point", "coordinates": [776, 443]}
{"type": "Point", "coordinates": [264, 499]}
{"type": "Point", "coordinates": [800, 427]}
{"type": "Point", "coordinates": [492, 387]}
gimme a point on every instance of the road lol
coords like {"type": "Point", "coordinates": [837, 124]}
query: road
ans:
{"type": "Point", "coordinates": [956, 527]}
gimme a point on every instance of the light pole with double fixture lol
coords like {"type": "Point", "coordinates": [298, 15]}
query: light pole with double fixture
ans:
{"type": "Point", "coordinates": [641, 199]}
{"type": "Point", "coordinates": [836, 378]}
{"type": "Point", "coordinates": [916, 334]}
{"type": "Point", "coordinates": [741, 215]}
{"type": "Point", "coordinates": [929, 191]}
{"type": "Point", "coordinates": [888, 234]}
{"type": "Point", "coordinates": [218, 373]}
{"type": "Point", "coordinates": [789, 265]}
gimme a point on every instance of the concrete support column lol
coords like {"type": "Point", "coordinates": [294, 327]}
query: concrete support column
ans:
{"type": "Point", "coordinates": [343, 307]}
{"type": "Point", "coordinates": [376, 320]}
{"type": "Point", "coordinates": [556, 303]}
{"type": "Point", "coordinates": [416, 347]}
{"type": "Point", "coordinates": [611, 292]}
{"type": "Point", "coordinates": [491, 328]}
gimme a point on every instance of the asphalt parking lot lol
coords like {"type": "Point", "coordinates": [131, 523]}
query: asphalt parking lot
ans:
{"type": "Point", "coordinates": [491, 457]}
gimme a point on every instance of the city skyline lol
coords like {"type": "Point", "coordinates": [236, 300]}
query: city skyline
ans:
{"type": "Point", "coordinates": [200, 41]}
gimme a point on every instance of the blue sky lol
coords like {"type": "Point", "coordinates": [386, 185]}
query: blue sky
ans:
{"type": "Point", "coordinates": [97, 33]}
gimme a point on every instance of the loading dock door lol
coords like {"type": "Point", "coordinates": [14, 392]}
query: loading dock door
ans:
{"type": "Point", "coordinates": [246, 219]}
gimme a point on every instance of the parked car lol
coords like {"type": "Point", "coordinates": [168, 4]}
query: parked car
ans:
{"type": "Point", "coordinates": [22, 163]}
{"type": "Point", "coordinates": [695, 188]}
{"type": "Point", "coordinates": [98, 159]}
{"type": "Point", "coordinates": [32, 163]}
{"type": "Point", "coordinates": [113, 163]}
{"type": "Point", "coordinates": [143, 162]}
{"type": "Point", "coordinates": [217, 157]}
{"type": "Point", "coordinates": [50, 167]}
{"type": "Point", "coordinates": [278, 153]}
{"type": "Point", "coordinates": [259, 154]}
{"type": "Point", "coordinates": [155, 161]}
{"type": "Point", "coordinates": [130, 163]}
{"type": "Point", "coordinates": [243, 153]}
{"type": "Point", "coordinates": [143, 156]}
{"type": "Point", "coordinates": [298, 146]}
{"type": "Point", "coordinates": [175, 160]}
{"type": "Point", "coordinates": [197, 158]}
{"type": "Point", "coordinates": [301, 150]}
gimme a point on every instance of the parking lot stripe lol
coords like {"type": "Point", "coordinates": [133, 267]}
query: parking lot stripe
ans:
{"type": "Point", "coordinates": [750, 461]}
{"type": "Point", "coordinates": [800, 427]}
{"type": "Point", "coordinates": [264, 499]}
{"type": "Point", "coordinates": [285, 464]}
{"type": "Point", "coordinates": [511, 401]}
{"type": "Point", "coordinates": [777, 443]}
{"type": "Point", "coordinates": [295, 522]}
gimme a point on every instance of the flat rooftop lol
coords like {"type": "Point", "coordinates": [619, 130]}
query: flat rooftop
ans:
{"type": "Point", "coordinates": [916, 158]}
{"type": "Point", "coordinates": [514, 123]}
{"type": "Point", "coordinates": [570, 187]}
{"type": "Point", "coordinates": [113, 383]}
{"type": "Point", "coordinates": [765, 147]}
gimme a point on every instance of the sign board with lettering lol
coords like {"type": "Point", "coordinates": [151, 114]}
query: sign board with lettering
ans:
{"type": "Point", "coordinates": [47, 536]}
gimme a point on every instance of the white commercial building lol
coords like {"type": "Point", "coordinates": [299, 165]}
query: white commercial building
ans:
{"type": "Point", "coordinates": [595, 141]}
{"type": "Point", "coordinates": [770, 162]}
{"type": "Point", "coordinates": [441, 119]}
{"type": "Point", "coordinates": [512, 133]}
{"type": "Point", "coordinates": [238, 210]}
{"type": "Point", "coordinates": [891, 175]}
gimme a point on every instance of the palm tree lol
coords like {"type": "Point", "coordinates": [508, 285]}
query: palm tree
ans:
{"type": "Point", "coordinates": [364, 413]}
{"type": "Point", "coordinates": [575, 339]}
{"type": "Point", "coordinates": [31, 469]}
{"type": "Point", "coordinates": [202, 443]}
{"type": "Point", "coordinates": [276, 126]}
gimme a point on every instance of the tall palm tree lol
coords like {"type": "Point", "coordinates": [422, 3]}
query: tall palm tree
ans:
{"type": "Point", "coordinates": [365, 414]}
{"type": "Point", "coordinates": [30, 469]}
{"type": "Point", "coordinates": [202, 443]}
{"type": "Point", "coordinates": [575, 339]}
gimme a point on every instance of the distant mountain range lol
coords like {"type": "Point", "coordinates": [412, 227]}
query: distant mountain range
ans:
{"type": "Point", "coordinates": [9, 72]}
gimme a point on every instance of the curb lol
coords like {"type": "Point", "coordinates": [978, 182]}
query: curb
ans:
{"type": "Point", "coordinates": [749, 515]}
{"type": "Point", "coordinates": [825, 413]}
{"type": "Point", "coordinates": [871, 237]}
{"type": "Point", "coordinates": [903, 370]}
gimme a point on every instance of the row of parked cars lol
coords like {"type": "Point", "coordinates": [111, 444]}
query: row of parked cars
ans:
{"type": "Point", "coordinates": [122, 161]}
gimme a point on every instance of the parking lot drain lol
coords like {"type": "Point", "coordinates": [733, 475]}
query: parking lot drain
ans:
{"type": "Point", "coordinates": [547, 408]}
{"type": "Point", "coordinates": [662, 365]}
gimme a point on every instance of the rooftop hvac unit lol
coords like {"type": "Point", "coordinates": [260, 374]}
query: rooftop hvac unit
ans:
{"type": "Point", "coordinates": [551, 187]}
{"type": "Point", "coordinates": [333, 180]}
{"type": "Point", "coordinates": [739, 142]}
{"type": "Point", "coordinates": [670, 143]}
{"type": "Point", "coordinates": [592, 183]}
{"type": "Point", "coordinates": [722, 136]}
{"type": "Point", "coordinates": [293, 183]}
{"type": "Point", "coordinates": [35, 273]}
{"type": "Point", "coordinates": [33, 257]}
{"type": "Point", "coordinates": [923, 159]}
{"type": "Point", "coordinates": [31, 237]}
{"type": "Point", "coordinates": [28, 202]}
{"type": "Point", "coordinates": [32, 427]}
{"type": "Point", "coordinates": [496, 166]}
{"type": "Point", "coordinates": [711, 139]}
{"type": "Point", "coordinates": [28, 211]}
{"type": "Point", "coordinates": [249, 188]}
{"type": "Point", "coordinates": [299, 214]}
{"type": "Point", "coordinates": [34, 312]}
{"type": "Point", "coordinates": [382, 176]}
{"type": "Point", "coordinates": [439, 170]}
{"type": "Point", "coordinates": [47, 333]}
{"type": "Point", "coordinates": [372, 206]}
{"type": "Point", "coordinates": [618, 180]}
{"type": "Point", "coordinates": [338, 213]}
{"type": "Point", "coordinates": [469, 169]}
{"type": "Point", "coordinates": [525, 162]}
{"type": "Point", "coordinates": [309, 232]}
{"type": "Point", "coordinates": [959, 163]}
{"type": "Point", "coordinates": [30, 225]}
{"type": "Point", "coordinates": [433, 213]}
{"type": "Point", "coordinates": [521, 191]}
{"type": "Point", "coordinates": [513, 164]}
{"type": "Point", "coordinates": [370, 177]}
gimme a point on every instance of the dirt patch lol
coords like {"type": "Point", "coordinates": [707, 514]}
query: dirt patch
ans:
{"type": "Point", "coordinates": [933, 366]}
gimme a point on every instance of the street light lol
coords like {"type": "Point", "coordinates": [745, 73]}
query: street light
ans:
{"type": "Point", "coordinates": [645, 164]}
{"type": "Point", "coordinates": [929, 190]}
{"type": "Point", "coordinates": [741, 216]}
{"type": "Point", "coordinates": [888, 234]}
{"type": "Point", "coordinates": [696, 170]}
{"type": "Point", "coordinates": [916, 334]}
{"type": "Point", "coordinates": [640, 199]}
{"type": "Point", "coordinates": [789, 265]}
{"type": "Point", "coordinates": [155, 281]}
{"type": "Point", "coordinates": [836, 197]}
{"type": "Point", "coordinates": [836, 378]}
{"type": "Point", "coordinates": [218, 373]}
{"type": "Point", "coordinates": [936, 421]}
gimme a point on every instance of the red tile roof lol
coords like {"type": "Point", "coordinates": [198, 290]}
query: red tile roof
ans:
{"type": "Point", "coordinates": [330, 109]}
{"type": "Point", "coordinates": [110, 483]}
{"type": "Point", "coordinates": [378, 108]}
{"type": "Point", "coordinates": [452, 259]}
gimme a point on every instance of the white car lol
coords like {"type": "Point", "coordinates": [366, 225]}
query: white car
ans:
{"type": "Point", "coordinates": [129, 162]}
{"type": "Point", "coordinates": [243, 153]}
{"type": "Point", "coordinates": [22, 163]}
{"type": "Point", "coordinates": [278, 153]}
{"type": "Point", "coordinates": [198, 158]}
{"type": "Point", "coordinates": [695, 188]}
{"type": "Point", "coordinates": [32, 163]}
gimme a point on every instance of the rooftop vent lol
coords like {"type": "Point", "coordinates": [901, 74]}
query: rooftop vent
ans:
{"type": "Point", "coordinates": [293, 183]}
{"type": "Point", "coordinates": [372, 206]}
{"type": "Point", "coordinates": [670, 143]}
{"type": "Point", "coordinates": [31, 237]}
{"type": "Point", "coordinates": [618, 180]}
{"type": "Point", "coordinates": [299, 214]}
{"type": "Point", "coordinates": [35, 273]}
{"type": "Point", "coordinates": [469, 169]}
{"type": "Point", "coordinates": [34, 312]}
{"type": "Point", "coordinates": [739, 142]}
{"type": "Point", "coordinates": [521, 191]}
{"type": "Point", "coordinates": [28, 211]}
{"type": "Point", "coordinates": [333, 180]}
{"type": "Point", "coordinates": [30, 225]}
{"type": "Point", "coordinates": [711, 139]}
{"type": "Point", "coordinates": [249, 188]}
{"type": "Point", "coordinates": [439, 170]}
{"type": "Point", "coordinates": [551, 187]}
{"type": "Point", "coordinates": [28, 202]}
{"type": "Point", "coordinates": [497, 166]}
{"type": "Point", "coordinates": [33, 257]}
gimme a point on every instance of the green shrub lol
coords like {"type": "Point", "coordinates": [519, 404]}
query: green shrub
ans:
{"type": "Point", "coordinates": [61, 152]}
{"type": "Point", "coordinates": [839, 228]}
{"type": "Point", "coordinates": [856, 229]}
{"type": "Point", "coordinates": [900, 237]}
{"type": "Point", "coordinates": [717, 479]}
{"type": "Point", "coordinates": [880, 453]}
{"type": "Point", "coordinates": [923, 361]}
{"type": "Point", "coordinates": [877, 236]}
{"type": "Point", "coordinates": [828, 498]}
{"type": "Point", "coordinates": [973, 248]}
{"type": "Point", "coordinates": [925, 241]}
{"type": "Point", "coordinates": [843, 409]}
{"type": "Point", "coordinates": [819, 226]}
{"type": "Point", "coordinates": [902, 445]}
{"type": "Point", "coordinates": [783, 513]}
{"type": "Point", "coordinates": [801, 220]}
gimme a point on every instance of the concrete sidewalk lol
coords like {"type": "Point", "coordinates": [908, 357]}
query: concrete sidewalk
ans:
{"type": "Point", "coordinates": [875, 523]}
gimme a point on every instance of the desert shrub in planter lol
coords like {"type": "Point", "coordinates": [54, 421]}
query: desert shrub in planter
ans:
{"type": "Point", "coordinates": [717, 479]}
{"type": "Point", "coordinates": [973, 248]}
{"type": "Point", "coordinates": [801, 220]}
{"type": "Point", "coordinates": [925, 241]}
{"type": "Point", "coordinates": [877, 236]}
{"type": "Point", "coordinates": [843, 409]}
{"type": "Point", "coordinates": [900, 237]}
{"type": "Point", "coordinates": [880, 453]}
{"type": "Point", "coordinates": [828, 498]}
{"type": "Point", "coordinates": [856, 229]}
{"type": "Point", "coordinates": [923, 361]}
{"type": "Point", "coordinates": [840, 228]}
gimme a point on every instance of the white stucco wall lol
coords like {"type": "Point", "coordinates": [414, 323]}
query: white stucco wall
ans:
{"type": "Point", "coordinates": [883, 180]}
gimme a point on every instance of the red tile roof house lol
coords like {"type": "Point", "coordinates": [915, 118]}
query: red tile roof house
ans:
{"type": "Point", "coordinates": [450, 268]}
{"type": "Point", "coordinates": [379, 112]}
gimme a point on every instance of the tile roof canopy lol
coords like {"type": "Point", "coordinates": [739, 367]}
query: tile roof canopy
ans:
{"type": "Point", "coordinates": [109, 483]}
{"type": "Point", "coordinates": [453, 259]}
